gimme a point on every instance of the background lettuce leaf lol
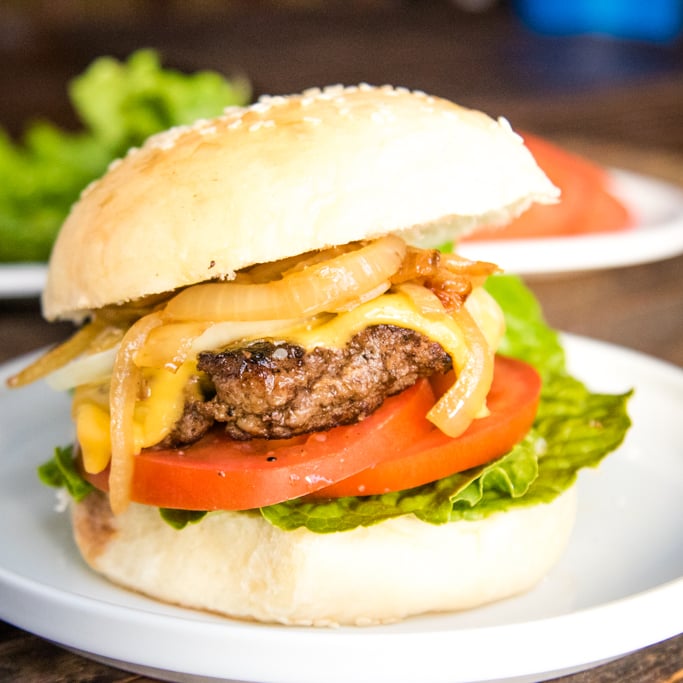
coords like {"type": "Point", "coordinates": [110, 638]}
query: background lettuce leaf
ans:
{"type": "Point", "coordinates": [123, 103]}
{"type": "Point", "coordinates": [574, 428]}
{"type": "Point", "coordinates": [120, 105]}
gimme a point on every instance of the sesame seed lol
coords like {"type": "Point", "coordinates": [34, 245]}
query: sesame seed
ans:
{"type": "Point", "coordinates": [273, 100]}
{"type": "Point", "coordinates": [504, 123]}
{"type": "Point", "coordinates": [261, 107]}
{"type": "Point", "coordinates": [257, 125]}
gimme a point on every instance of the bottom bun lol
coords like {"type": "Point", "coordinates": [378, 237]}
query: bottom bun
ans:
{"type": "Point", "coordinates": [240, 565]}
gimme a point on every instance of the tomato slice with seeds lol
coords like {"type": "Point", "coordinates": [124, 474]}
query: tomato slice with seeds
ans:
{"type": "Point", "coordinates": [392, 449]}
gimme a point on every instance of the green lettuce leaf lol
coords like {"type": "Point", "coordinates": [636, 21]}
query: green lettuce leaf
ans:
{"type": "Point", "coordinates": [179, 519]}
{"type": "Point", "coordinates": [60, 472]}
{"type": "Point", "coordinates": [120, 104]}
{"type": "Point", "coordinates": [527, 335]}
{"type": "Point", "coordinates": [574, 428]}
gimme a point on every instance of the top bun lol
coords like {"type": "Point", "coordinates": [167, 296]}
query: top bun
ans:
{"type": "Point", "coordinates": [282, 177]}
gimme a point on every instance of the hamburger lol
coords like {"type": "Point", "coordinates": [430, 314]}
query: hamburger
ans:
{"type": "Point", "coordinates": [288, 396]}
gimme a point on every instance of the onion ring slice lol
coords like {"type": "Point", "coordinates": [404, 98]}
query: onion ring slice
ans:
{"type": "Point", "coordinates": [122, 398]}
{"type": "Point", "coordinates": [459, 406]}
{"type": "Point", "coordinates": [321, 287]}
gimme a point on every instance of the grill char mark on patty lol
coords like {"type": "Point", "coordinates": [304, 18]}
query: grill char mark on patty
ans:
{"type": "Point", "coordinates": [278, 390]}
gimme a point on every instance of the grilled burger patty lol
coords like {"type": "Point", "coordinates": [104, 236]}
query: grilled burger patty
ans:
{"type": "Point", "coordinates": [277, 390]}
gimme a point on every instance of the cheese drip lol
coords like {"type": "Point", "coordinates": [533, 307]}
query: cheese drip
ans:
{"type": "Point", "coordinates": [153, 418]}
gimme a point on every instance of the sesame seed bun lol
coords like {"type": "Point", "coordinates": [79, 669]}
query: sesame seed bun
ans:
{"type": "Point", "coordinates": [281, 177]}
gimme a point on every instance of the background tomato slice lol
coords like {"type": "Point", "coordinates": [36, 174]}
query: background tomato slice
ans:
{"type": "Point", "coordinates": [394, 448]}
{"type": "Point", "coordinates": [586, 204]}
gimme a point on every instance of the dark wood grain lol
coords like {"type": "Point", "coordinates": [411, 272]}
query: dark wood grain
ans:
{"type": "Point", "coordinates": [620, 102]}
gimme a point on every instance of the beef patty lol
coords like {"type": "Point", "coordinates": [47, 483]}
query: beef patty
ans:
{"type": "Point", "coordinates": [278, 390]}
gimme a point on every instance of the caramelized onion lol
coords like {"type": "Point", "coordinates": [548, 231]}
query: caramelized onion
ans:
{"type": "Point", "coordinates": [466, 398]}
{"type": "Point", "coordinates": [168, 346]}
{"type": "Point", "coordinates": [88, 369]}
{"type": "Point", "coordinates": [451, 289]}
{"type": "Point", "coordinates": [324, 286]}
{"type": "Point", "coordinates": [57, 356]}
{"type": "Point", "coordinates": [122, 397]}
{"type": "Point", "coordinates": [265, 272]}
{"type": "Point", "coordinates": [456, 409]}
{"type": "Point", "coordinates": [424, 299]}
{"type": "Point", "coordinates": [418, 263]}
{"type": "Point", "coordinates": [475, 271]}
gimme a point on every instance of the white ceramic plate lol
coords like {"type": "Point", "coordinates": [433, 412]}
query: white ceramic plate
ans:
{"type": "Point", "coordinates": [657, 207]}
{"type": "Point", "coordinates": [19, 280]}
{"type": "Point", "coordinates": [619, 586]}
{"type": "Point", "coordinates": [658, 234]}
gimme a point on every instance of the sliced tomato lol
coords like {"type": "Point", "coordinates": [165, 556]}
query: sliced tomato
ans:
{"type": "Point", "coordinates": [585, 205]}
{"type": "Point", "coordinates": [393, 449]}
{"type": "Point", "coordinates": [512, 403]}
{"type": "Point", "coordinates": [219, 473]}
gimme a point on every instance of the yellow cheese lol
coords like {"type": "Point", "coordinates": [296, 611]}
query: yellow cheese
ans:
{"type": "Point", "coordinates": [389, 309]}
{"type": "Point", "coordinates": [156, 414]}
{"type": "Point", "coordinates": [398, 309]}
{"type": "Point", "coordinates": [90, 412]}
{"type": "Point", "coordinates": [92, 431]}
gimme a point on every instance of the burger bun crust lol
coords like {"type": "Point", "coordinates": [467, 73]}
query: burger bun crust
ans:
{"type": "Point", "coordinates": [282, 177]}
{"type": "Point", "coordinates": [240, 565]}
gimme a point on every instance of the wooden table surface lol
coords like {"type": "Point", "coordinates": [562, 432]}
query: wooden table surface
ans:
{"type": "Point", "coordinates": [620, 102]}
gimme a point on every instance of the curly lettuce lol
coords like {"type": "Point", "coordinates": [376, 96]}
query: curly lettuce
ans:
{"type": "Point", "coordinates": [119, 104]}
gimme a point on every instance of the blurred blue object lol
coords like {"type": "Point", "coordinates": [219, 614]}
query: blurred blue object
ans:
{"type": "Point", "coordinates": [653, 20]}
